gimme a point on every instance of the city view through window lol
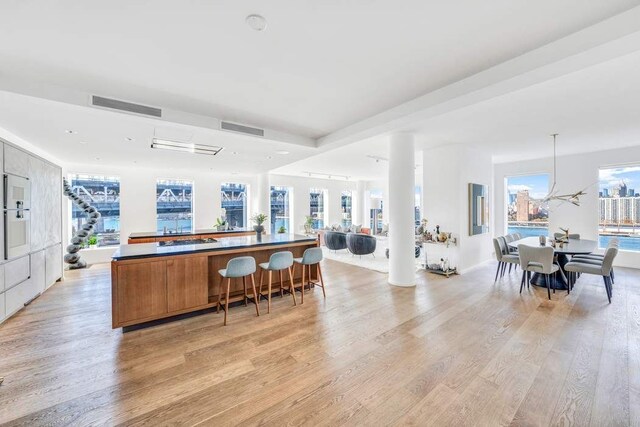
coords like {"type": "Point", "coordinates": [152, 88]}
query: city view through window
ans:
{"type": "Point", "coordinates": [619, 207]}
{"type": "Point", "coordinates": [233, 199]}
{"type": "Point", "coordinates": [525, 213]}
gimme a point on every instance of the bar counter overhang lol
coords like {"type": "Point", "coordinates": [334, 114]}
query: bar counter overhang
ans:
{"type": "Point", "coordinates": [151, 282]}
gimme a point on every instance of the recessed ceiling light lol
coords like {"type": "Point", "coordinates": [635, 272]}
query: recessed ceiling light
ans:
{"type": "Point", "coordinates": [128, 138]}
{"type": "Point", "coordinates": [256, 22]}
{"type": "Point", "coordinates": [283, 152]}
{"type": "Point", "coordinates": [234, 152]}
{"type": "Point", "coordinates": [97, 158]}
{"type": "Point", "coordinates": [83, 142]}
{"type": "Point", "coordinates": [269, 157]}
{"type": "Point", "coordinates": [71, 132]}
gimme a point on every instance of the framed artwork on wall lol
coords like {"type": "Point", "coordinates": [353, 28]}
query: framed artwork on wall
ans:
{"type": "Point", "coordinates": [478, 209]}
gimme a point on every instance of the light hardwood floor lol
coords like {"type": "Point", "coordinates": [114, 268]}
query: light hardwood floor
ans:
{"type": "Point", "coordinates": [459, 351]}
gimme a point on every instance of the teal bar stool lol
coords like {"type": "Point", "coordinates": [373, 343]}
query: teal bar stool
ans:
{"type": "Point", "coordinates": [238, 267]}
{"type": "Point", "coordinates": [278, 261]}
{"type": "Point", "coordinates": [311, 256]}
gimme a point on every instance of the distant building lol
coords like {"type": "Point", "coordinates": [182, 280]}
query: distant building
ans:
{"type": "Point", "coordinates": [605, 192]}
{"type": "Point", "coordinates": [623, 190]}
{"type": "Point", "coordinates": [522, 205]}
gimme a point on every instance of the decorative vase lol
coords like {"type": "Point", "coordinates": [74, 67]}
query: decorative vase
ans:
{"type": "Point", "coordinates": [259, 229]}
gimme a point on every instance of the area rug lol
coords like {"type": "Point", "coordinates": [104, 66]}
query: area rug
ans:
{"type": "Point", "coordinates": [378, 263]}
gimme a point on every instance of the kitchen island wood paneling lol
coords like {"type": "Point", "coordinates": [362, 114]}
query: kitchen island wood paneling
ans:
{"type": "Point", "coordinates": [151, 282]}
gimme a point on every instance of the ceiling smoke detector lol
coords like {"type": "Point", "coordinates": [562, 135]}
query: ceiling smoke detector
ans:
{"type": "Point", "coordinates": [256, 22]}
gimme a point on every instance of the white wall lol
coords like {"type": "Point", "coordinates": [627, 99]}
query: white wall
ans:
{"type": "Point", "coordinates": [575, 172]}
{"type": "Point", "coordinates": [447, 172]}
{"type": "Point", "coordinates": [301, 187]}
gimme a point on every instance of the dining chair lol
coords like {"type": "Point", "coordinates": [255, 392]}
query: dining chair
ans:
{"type": "Point", "coordinates": [278, 262]}
{"type": "Point", "coordinates": [510, 238]}
{"type": "Point", "coordinates": [600, 268]}
{"type": "Point", "coordinates": [238, 267]}
{"type": "Point", "coordinates": [615, 242]}
{"type": "Point", "coordinates": [503, 257]}
{"type": "Point", "coordinates": [537, 260]}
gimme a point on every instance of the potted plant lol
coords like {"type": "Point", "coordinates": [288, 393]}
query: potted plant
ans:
{"type": "Point", "coordinates": [308, 224]}
{"type": "Point", "coordinates": [259, 219]}
{"type": "Point", "coordinates": [282, 230]}
{"type": "Point", "coordinates": [92, 241]}
{"type": "Point", "coordinates": [221, 224]}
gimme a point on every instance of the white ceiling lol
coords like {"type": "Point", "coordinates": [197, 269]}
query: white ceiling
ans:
{"type": "Point", "coordinates": [319, 66]}
{"type": "Point", "coordinates": [593, 109]}
{"type": "Point", "coordinates": [101, 139]}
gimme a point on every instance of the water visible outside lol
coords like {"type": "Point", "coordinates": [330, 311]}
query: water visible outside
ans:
{"type": "Point", "coordinates": [627, 243]}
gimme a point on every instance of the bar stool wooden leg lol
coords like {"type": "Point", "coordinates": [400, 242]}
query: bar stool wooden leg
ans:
{"type": "Point", "coordinates": [321, 281]}
{"type": "Point", "coordinates": [292, 287]}
{"type": "Point", "coordinates": [302, 285]}
{"type": "Point", "coordinates": [220, 294]}
{"type": "Point", "coordinates": [244, 284]}
{"type": "Point", "coordinates": [226, 302]}
{"type": "Point", "coordinates": [269, 296]}
{"type": "Point", "coordinates": [256, 298]}
{"type": "Point", "coordinates": [281, 284]}
{"type": "Point", "coordinates": [261, 276]}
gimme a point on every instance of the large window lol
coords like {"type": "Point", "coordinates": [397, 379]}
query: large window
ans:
{"type": "Point", "coordinates": [375, 211]}
{"type": "Point", "coordinates": [525, 212]}
{"type": "Point", "coordinates": [173, 206]}
{"type": "Point", "coordinates": [234, 202]}
{"type": "Point", "coordinates": [316, 207]}
{"type": "Point", "coordinates": [103, 193]}
{"type": "Point", "coordinates": [280, 210]}
{"type": "Point", "coordinates": [619, 207]}
{"type": "Point", "coordinates": [345, 204]}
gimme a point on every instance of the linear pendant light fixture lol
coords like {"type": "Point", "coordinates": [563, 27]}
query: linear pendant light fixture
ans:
{"type": "Point", "coordinates": [185, 147]}
{"type": "Point", "coordinates": [573, 198]}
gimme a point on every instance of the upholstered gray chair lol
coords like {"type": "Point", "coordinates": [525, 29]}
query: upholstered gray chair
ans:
{"type": "Point", "coordinates": [613, 243]}
{"type": "Point", "coordinates": [238, 267]}
{"type": "Point", "coordinates": [503, 257]}
{"type": "Point", "coordinates": [509, 238]}
{"type": "Point", "coordinates": [335, 240]}
{"type": "Point", "coordinates": [278, 261]}
{"type": "Point", "coordinates": [361, 244]}
{"type": "Point", "coordinates": [311, 256]}
{"type": "Point", "coordinates": [600, 268]}
{"type": "Point", "coordinates": [537, 260]}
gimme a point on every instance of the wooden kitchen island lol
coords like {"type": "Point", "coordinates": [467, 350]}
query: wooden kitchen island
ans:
{"type": "Point", "coordinates": [151, 282]}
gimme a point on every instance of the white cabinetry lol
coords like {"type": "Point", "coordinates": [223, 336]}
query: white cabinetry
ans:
{"type": "Point", "coordinates": [16, 271]}
{"type": "Point", "coordinates": [24, 278]}
{"type": "Point", "coordinates": [38, 271]}
{"type": "Point", "coordinates": [16, 161]}
{"type": "Point", "coordinates": [53, 264]}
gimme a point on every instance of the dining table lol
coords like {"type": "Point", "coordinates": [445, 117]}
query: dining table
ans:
{"type": "Point", "coordinates": [562, 253]}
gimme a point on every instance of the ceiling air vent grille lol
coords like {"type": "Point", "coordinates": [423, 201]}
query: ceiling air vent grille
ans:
{"type": "Point", "coordinates": [233, 127]}
{"type": "Point", "coordinates": [129, 107]}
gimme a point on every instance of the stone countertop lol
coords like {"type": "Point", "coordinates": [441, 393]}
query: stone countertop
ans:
{"type": "Point", "coordinates": [153, 234]}
{"type": "Point", "coordinates": [148, 250]}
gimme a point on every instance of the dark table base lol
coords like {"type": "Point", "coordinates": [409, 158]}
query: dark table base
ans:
{"type": "Point", "coordinates": [556, 280]}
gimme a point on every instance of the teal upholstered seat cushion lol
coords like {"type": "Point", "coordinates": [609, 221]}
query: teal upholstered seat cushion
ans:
{"type": "Point", "coordinates": [239, 267]}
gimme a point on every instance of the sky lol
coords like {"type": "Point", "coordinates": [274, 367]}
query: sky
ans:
{"type": "Point", "coordinates": [612, 177]}
{"type": "Point", "coordinates": [538, 185]}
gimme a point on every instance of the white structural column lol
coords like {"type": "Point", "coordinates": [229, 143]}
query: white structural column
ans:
{"type": "Point", "coordinates": [263, 198]}
{"type": "Point", "coordinates": [358, 208]}
{"type": "Point", "coordinates": [402, 268]}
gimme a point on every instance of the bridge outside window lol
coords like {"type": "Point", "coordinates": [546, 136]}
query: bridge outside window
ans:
{"type": "Point", "coordinates": [174, 206]}
{"type": "Point", "coordinates": [102, 192]}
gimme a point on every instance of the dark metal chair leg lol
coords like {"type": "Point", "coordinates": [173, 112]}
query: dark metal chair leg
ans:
{"type": "Point", "coordinates": [524, 273]}
{"type": "Point", "coordinates": [606, 285]}
{"type": "Point", "coordinates": [510, 265]}
{"type": "Point", "coordinates": [613, 276]}
{"type": "Point", "coordinates": [498, 271]}
{"type": "Point", "coordinates": [547, 281]}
